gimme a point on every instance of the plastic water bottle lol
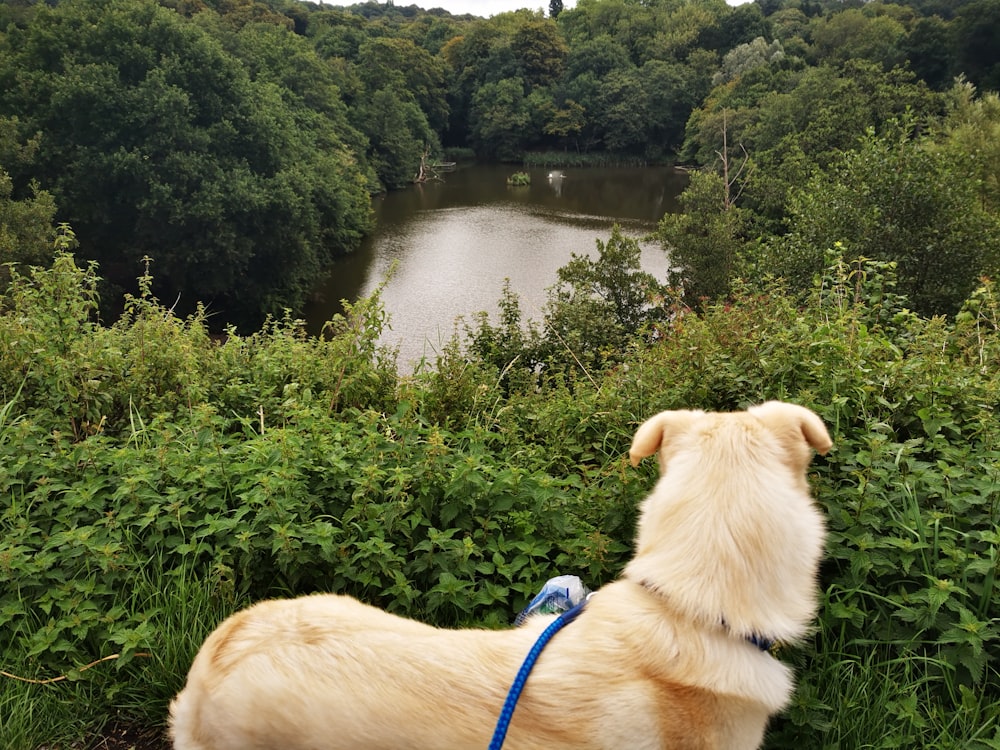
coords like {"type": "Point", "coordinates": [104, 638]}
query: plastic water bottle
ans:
{"type": "Point", "coordinates": [557, 595]}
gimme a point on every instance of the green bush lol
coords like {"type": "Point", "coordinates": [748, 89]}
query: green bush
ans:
{"type": "Point", "coordinates": [519, 179]}
{"type": "Point", "coordinates": [910, 604]}
{"type": "Point", "coordinates": [154, 479]}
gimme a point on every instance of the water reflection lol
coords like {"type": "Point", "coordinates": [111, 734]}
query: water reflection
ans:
{"type": "Point", "coordinates": [556, 178]}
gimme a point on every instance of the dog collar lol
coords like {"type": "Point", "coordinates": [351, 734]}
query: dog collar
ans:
{"type": "Point", "coordinates": [762, 642]}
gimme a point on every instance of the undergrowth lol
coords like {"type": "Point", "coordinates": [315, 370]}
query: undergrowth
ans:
{"type": "Point", "coordinates": [155, 478]}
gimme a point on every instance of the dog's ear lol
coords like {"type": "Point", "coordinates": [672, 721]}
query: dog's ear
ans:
{"type": "Point", "coordinates": [805, 422]}
{"type": "Point", "coordinates": [656, 431]}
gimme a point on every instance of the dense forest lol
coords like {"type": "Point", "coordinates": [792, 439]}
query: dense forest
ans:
{"type": "Point", "coordinates": [236, 143]}
{"type": "Point", "coordinates": [169, 169]}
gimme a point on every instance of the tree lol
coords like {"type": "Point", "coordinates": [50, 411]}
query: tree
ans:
{"type": "Point", "coordinates": [972, 128]}
{"type": "Point", "coordinates": [401, 106]}
{"type": "Point", "coordinates": [746, 57]}
{"type": "Point", "coordinates": [479, 57]}
{"type": "Point", "coordinates": [671, 90]}
{"type": "Point", "coordinates": [555, 8]}
{"type": "Point", "coordinates": [621, 114]}
{"type": "Point", "coordinates": [238, 14]}
{"type": "Point", "coordinates": [789, 23]}
{"type": "Point", "coordinates": [541, 50]}
{"type": "Point", "coordinates": [704, 240]}
{"type": "Point", "coordinates": [928, 49]}
{"type": "Point", "coordinates": [398, 136]}
{"type": "Point", "coordinates": [597, 56]}
{"type": "Point", "coordinates": [740, 25]}
{"type": "Point", "coordinates": [592, 315]}
{"type": "Point", "coordinates": [584, 90]}
{"type": "Point", "coordinates": [499, 116]}
{"type": "Point", "coordinates": [894, 199]}
{"type": "Point", "coordinates": [976, 39]}
{"type": "Point", "coordinates": [616, 279]}
{"type": "Point", "coordinates": [26, 227]}
{"type": "Point", "coordinates": [682, 29]}
{"type": "Point", "coordinates": [598, 305]}
{"type": "Point", "coordinates": [851, 34]}
{"type": "Point", "coordinates": [794, 122]}
{"type": "Point", "coordinates": [26, 222]}
{"type": "Point", "coordinates": [566, 122]}
{"type": "Point", "coordinates": [158, 142]}
{"type": "Point", "coordinates": [410, 71]}
{"type": "Point", "coordinates": [338, 34]}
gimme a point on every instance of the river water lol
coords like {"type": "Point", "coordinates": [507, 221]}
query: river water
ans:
{"type": "Point", "coordinates": [450, 245]}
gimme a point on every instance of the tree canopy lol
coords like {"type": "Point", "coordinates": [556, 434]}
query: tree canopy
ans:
{"type": "Point", "coordinates": [236, 142]}
{"type": "Point", "coordinates": [156, 141]}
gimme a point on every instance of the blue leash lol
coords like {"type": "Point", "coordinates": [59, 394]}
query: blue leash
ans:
{"type": "Point", "coordinates": [522, 676]}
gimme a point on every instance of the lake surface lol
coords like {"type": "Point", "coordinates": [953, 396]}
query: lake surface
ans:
{"type": "Point", "coordinates": [450, 245]}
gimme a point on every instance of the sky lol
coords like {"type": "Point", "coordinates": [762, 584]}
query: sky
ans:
{"type": "Point", "coordinates": [484, 8]}
{"type": "Point", "coordinates": [487, 8]}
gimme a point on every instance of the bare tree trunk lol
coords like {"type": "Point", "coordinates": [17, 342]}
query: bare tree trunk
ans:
{"type": "Point", "coordinates": [734, 182]}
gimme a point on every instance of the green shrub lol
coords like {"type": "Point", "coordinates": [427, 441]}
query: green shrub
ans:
{"type": "Point", "coordinates": [519, 179]}
{"type": "Point", "coordinates": [154, 479]}
{"type": "Point", "coordinates": [910, 489]}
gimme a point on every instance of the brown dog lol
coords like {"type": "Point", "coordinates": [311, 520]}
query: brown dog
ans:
{"type": "Point", "coordinates": [728, 546]}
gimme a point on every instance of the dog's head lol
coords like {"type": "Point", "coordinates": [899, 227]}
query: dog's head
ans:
{"type": "Point", "coordinates": [796, 426]}
{"type": "Point", "coordinates": [730, 533]}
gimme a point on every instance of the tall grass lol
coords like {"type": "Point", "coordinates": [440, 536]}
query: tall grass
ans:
{"type": "Point", "coordinates": [578, 159]}
{"type": "Point", "coordinates": [880, 699]}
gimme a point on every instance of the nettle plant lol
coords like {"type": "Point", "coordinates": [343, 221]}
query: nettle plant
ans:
{"type": "Point", "coordinates": [911, 604]}
{"type": "Point", "coordinates": [913, 485]}
{"type": "Point", "coordinates": [153, 479]}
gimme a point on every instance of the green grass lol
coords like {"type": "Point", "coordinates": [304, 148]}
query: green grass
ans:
{"type": "Point", "coordinates": [851, 701]}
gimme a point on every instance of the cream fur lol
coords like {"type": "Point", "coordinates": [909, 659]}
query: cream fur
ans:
{"type": "Point", "coordinates": [728, 546]}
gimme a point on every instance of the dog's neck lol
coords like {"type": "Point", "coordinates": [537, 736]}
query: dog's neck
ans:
{"type": "Point", "coordinates": [758, 640]}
